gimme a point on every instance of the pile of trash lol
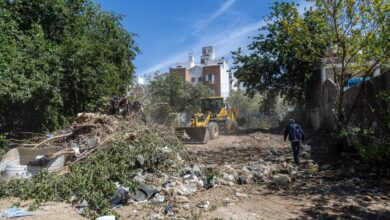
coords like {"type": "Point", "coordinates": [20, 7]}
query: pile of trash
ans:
{"type": "Point", "coordinates": [96, 164]}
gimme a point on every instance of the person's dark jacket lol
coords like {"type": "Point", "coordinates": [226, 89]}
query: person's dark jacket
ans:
{"type": "Point", "coordinates": [294, 132]}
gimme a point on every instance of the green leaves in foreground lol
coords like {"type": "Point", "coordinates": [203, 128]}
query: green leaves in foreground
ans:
{"type": "Point", "coordinates": [93, 180]}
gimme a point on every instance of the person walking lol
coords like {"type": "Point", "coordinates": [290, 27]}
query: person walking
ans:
{"type": "Point", "coordinates": [295, 136]}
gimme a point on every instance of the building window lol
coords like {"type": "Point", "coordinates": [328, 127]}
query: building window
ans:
{"type": "Point", "coordinates": [210, 78]}
{"type": "Point", "coordinates": [192, 80]}
{"type": "Point", "coordinates": [199, 79]}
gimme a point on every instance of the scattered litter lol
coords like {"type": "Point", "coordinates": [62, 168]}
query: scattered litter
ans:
{"type": "Point", "coordinates": [106, 217]}
{"type": "Point", "coordinates": [15, 212]}
{"type": "Point", "coordinates": [204, 205]}
{"type": "Point", "coordinates": [169, 210]}
{"type": "Point", "coordinates": [139, 161]}
{"type": "Point", "coordinates": [158, 198]}
{"type": "Point", "coordinates": [144, 192]}
{"type": "Point", "coordinates": [185, 189]}
{"type": "Point", "coordinates": [120, 197]}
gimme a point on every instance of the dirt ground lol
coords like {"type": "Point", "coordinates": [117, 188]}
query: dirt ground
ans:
{"type": "Point", "coordinates": [323, 194]}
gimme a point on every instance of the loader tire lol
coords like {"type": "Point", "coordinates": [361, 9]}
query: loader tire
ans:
{"type": "Point", "coordinates": [231, 127]}
{"type": "Point", "coordinates": [213, 130]}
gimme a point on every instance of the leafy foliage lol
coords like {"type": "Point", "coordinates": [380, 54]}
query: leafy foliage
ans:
{"type": "Point", "coordinates": [244, 103]}
{"type": "Point", "coordinates": [372, 145]}
{"type": "Point", "coordinates": [284, 59]}
{"type": "Point", "coordinates": [58, 58]}
{"type": "Point", "coordinates": [176, 92]}
{"type": "Point", "coordinates": [4, 145]}
{"type": "Point", "coordinates": [93, 181]}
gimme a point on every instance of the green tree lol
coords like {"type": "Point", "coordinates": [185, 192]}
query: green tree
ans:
{"type": "Point", "coordinates": [358, 33]}
{"type": "Point", "coordinates": [176, 92]}
{"type": "Point", "coordinates": [284, 56]}
{"type": "Point", "coordinates": [58, 58]}
{"type": "Point", "coordinates": [244, 103]}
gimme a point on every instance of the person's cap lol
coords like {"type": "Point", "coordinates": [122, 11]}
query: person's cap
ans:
{"type": "Point", "coordinates": [292, 121]}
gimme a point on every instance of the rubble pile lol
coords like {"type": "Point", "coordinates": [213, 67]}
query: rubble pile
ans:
{"type": "Point", "coordinates": [117, 158]}
{"type": "Point", "coordinates": [276, 168]}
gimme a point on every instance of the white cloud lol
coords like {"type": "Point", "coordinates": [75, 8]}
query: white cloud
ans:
{"type": "Point", "coordinates": [203, 23]}
{"type": "Point", "coordinates": [224, 42]}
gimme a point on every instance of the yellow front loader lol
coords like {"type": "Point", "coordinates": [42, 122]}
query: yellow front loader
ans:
{"type": "Point", "coordinates": [215, 115]}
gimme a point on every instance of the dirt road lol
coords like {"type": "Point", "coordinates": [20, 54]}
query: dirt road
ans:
{"type": "Point", "coordinates": [331, 193]}
{"type": "Point", "coordinates": [324, 194]}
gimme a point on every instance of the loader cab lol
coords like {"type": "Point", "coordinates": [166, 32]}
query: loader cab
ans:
{"type": "Point", "coordinates": [212, 104]}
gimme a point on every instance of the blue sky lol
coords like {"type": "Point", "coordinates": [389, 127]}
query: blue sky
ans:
{"type": "Point", "coordinates": [168, 29]}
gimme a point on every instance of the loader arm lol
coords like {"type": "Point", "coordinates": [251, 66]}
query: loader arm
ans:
{"type": "Point", "coordinates": [196, 122]}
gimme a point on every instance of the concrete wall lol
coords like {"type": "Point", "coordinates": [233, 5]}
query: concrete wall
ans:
{"type": "Point", "coordinates": [322, 114]}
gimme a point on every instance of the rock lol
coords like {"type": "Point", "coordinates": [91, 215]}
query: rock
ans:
{"type": "Point", "coordinates": [227, 183]}
{"type": "Point", "coordinates": [305, 155]}
{"type": "Point", "coordinates": [139, 161]}
{"type": "Point", "coordinates": [182, 199]}
{"type": "Point", "coordinates": [246, 170]}
{"type": "Point", "coordinates": [185, 189]}
{"type": "Point", "coordinates": [204, 205]}
{"type": "Point", "coordinates": [276, 168]}
{"type": "Point", "coordinates": [282, 180]}
{"type": "Point", "coordinates": [227, 200]}
{"type": "Point", "coordinates": [178, 157]}
{"type": "Point", "coordinates": [193, 169]}
{"type": "Point", "coordinates": [242, 180]}
{"type": "Point", "coordinates": [156, 216]}
{"type": "Point", "coordinates": [306, 148]}
{"type": "Point", "coordinates": [326, 167]}
{"type": "Point", "coordinates": [384, 198]}
{"type": "Point", "coordinates": [367, 198]}
{"type": "Point", "coordinates": [167, 184]}
{"type": "Point", "coordinates": [243, 195]}
{"type": "Point", "coordinates": [187, 206]}
{"type": "Point", "coordinates": [228, 169]}
{"type": "Point", "coordinates": [228, 177]}
{"type": "Point", "coordinates": [258, 177]}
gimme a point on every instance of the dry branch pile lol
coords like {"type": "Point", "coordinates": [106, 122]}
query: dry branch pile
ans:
{"type": "Point", "coordinates": [109, 147]}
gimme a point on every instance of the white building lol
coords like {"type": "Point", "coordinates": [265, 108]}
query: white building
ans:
{"type": "Point", "coordinates": [211, 72]}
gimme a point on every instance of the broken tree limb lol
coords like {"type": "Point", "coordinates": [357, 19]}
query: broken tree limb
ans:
{"type": "Point", "coordinates": [47, 140]}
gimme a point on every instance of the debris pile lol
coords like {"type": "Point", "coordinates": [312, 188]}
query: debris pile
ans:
{"type": "Point", "coordinates": [115, 154]}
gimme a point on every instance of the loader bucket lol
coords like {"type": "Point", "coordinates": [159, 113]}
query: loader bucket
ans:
{"type": "Point", "coordinates": [193, 135]}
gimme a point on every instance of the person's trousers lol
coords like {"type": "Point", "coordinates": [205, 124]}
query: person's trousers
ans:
{"type": "Point", "coordinates": [295, 147]}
